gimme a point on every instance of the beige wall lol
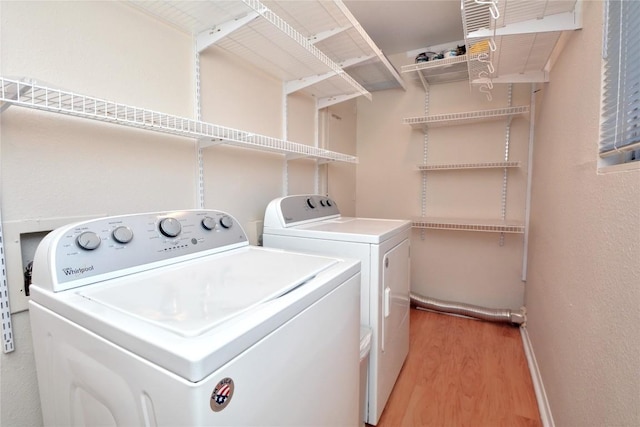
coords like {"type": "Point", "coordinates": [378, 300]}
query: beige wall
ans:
{"type": "Point", "coordinates": [57, 166]}
{"type": "Point", "coordinates": [338, 132]}
{"type": "Point", "coordinates": [460, 266]}
{"type": "Point", "coordinates": [582, 293]}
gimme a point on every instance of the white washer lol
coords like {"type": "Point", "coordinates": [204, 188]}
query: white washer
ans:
{"type": "Point", "coordinates": [168, 319]}
{"type": "Point", "coordinates": [312, 223]}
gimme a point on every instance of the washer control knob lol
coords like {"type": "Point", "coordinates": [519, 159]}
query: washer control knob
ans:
{"type": "Point", "coordinates": [329, 202]}
{"type": "Point", "coordinates": [323, 203]}
{"type": "Point", "coordinates": [311, 203]}
{"type": "Point", "coordinates": [208, 223]}
{"type": "Point", "coordinates": [170, 227]}
{"type": "Point", "coordinates": [88, 240]}
{"type": "Point", "coordinates": [122, 234]}
{"type": "Point", "coordinates": [226, 221]}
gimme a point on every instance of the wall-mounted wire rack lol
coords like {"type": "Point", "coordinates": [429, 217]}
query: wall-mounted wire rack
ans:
{"type": "Point", "coordinates": [444, 70]}
{"type": "Point", "coordinates": [507, 41]}
{"type": "Point", "coordinates": [314, 46]}
{"type": "Point", "coordinates": [31, 95]}
{"type": "Point", "coordinates": [455, 119]}
{"type": "Point", "coordinates": [483, 225]}
{"type": "Point", "coordinates": [501, 225]}
{"type": "Point", "coordinates": [477, 165]}
{"type": "Point", "coordinates": [515, 39]}
{"type": "Point", "coordinates": [333, 29]}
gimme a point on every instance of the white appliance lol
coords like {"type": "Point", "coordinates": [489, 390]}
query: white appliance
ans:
{"type": "Point", "coordinates": [313, 224]}
{"type": "Point", "coordinates": [170, 319]}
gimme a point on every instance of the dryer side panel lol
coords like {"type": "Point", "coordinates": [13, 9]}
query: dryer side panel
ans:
{"type": "Point", "coordinates": [391, 343]}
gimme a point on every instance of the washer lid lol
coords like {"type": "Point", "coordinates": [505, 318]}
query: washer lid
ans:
{"type": "Point", "coordinates": [362, 230]}
{"type": "Point", "coordinates": [194, 316]}
{"type": "Point", "coordinates": [189, 299]}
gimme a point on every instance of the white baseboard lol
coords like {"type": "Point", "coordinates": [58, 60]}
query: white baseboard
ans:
{"type": "Point", "coordinates": [541, 396]}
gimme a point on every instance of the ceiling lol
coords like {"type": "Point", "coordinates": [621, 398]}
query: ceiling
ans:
{"type": "Point", "coordinates": [403, 25]}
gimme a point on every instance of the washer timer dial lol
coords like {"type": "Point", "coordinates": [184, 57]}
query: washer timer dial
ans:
{"type": "Point", "coordinates": [88, 240]}
{"type": "Point", "coordinates": [170, 227]}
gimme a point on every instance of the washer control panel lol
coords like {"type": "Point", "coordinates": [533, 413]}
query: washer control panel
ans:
{"type": "Point", "coordinates": [302, 208]}
{"type": "Point", "coordinates": [93, 250]}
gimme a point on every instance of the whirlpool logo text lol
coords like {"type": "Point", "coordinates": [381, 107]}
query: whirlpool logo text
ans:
{"type": "Point", "coordinates": [76, 271]}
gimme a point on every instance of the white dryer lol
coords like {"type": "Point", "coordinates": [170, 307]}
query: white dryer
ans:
{"type": "Point", "coordinates": [172, 319]}
{"type": "Point", "coordinates": [313, 224]}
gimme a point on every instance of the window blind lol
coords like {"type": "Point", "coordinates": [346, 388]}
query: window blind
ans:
{"type": "Point", "coordinates": [620, 123]}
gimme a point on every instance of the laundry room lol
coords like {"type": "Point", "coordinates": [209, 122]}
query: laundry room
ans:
{"type": "Point", "coordinates": [465, 142]}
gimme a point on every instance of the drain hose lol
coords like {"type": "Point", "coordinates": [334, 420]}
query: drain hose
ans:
{"type": "Point", "coordinates": [489, 314]}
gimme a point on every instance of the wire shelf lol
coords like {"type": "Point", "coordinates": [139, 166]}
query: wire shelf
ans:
{"type": "Point", "coordinates": [441, 70]}
{"type": "Point", "coordinates": [487, 226]}
{"type": "Point", "coordinates": [452, 119]}
{"type": "Point", "coordinates": [333, 29]}
{"type": "Point", "coordinates": [268, 41]}
{"type": "Point", "coordinates": [31, 95]}
{"type": "Point", "coordinates": [515, 38]}
{"type": "Point", "coordinates": [477, 165]}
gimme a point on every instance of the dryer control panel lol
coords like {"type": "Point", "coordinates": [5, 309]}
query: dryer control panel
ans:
{"type": "Point", "coordinates": [105, 248]}
{"type": "Point", "coordinates": [290, 210]}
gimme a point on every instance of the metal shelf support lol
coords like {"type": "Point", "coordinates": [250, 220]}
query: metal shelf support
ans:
{"type": "Point", "coordinates": [217, 33]}
{"type": "Point", "coordinates": [5, 309]}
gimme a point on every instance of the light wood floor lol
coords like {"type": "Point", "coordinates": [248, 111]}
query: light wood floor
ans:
{"type": "Point", "coordinates": [462, 372]}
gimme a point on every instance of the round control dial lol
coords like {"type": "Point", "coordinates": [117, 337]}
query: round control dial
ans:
{"type": "Point", "coordinates": [311, 203]}
{"type": "Point", "coordinates": [88, 240]}
{"type": "Point", "coordinates": [226, 221]}
{"type": "Point", "coordinates": [170, 227]}
{"type": "Point", "coordinates": [208, 223]}
{"type": "Point", "coordinates": [122, 234]}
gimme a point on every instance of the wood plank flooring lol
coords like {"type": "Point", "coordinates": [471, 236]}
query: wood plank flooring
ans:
{"type": "Point", "coordinates": [462, 372]}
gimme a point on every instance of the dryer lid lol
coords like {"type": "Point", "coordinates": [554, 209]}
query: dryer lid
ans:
{"type": "Point", "coordinates": [347, 229]}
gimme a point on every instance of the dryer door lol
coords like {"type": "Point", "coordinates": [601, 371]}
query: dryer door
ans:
{"type": "Point", "coordinates": [395, 280]}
